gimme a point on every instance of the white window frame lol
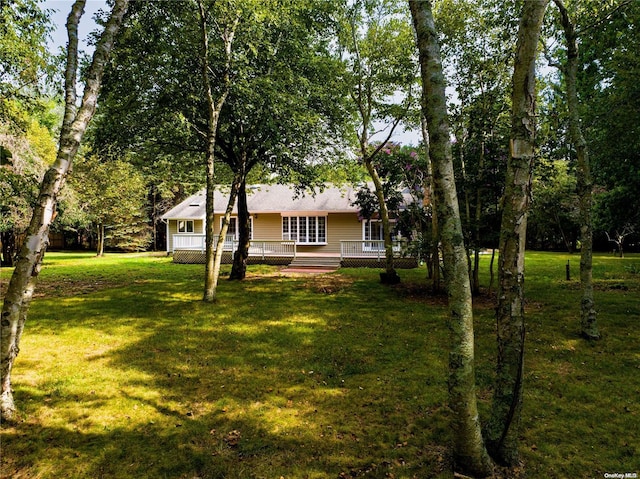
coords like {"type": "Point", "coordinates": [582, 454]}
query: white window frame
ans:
{"type": "Point", "coordinates": [236, 232]}
{"type": "Point", "coordinates": [366, 233]}
{"type": "Point", "coordinates": [366, 230]}
{"type": "Point", "coordinates": [186, 229]}
{"type": "Point", "coordinates": [305, 229]}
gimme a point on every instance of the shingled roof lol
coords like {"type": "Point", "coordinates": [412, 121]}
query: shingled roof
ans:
{"type": "Point", "coordinates": [272, 199]}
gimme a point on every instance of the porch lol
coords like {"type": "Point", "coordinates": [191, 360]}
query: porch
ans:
{"type": "Point", "coordinates": [190, 248]}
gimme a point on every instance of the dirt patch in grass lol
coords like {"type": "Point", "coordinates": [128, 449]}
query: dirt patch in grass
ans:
{"type": "Point", "coordinates": [66, 287]}
{"type": "Point", "coordinates": [604, 285]}
{"type": "Point", "coordinates": [328, 283]}
{"type": "Point", "coordinates": [423, 293]}
{"type": "Point", "coordinates": [318, 283]}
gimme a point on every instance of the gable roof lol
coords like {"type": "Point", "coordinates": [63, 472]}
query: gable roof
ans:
{"type": "Point", "coordinates": [273, 199]}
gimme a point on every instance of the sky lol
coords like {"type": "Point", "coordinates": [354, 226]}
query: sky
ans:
{"type": "Point", "coordinates": [61, 9]}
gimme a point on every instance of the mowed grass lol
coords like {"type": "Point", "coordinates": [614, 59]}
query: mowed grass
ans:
{"type": "Point", "coordinates": [124, 373]}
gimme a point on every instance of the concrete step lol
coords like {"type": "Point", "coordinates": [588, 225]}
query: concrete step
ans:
{"type": "Point", "coordinates": [315, 262]}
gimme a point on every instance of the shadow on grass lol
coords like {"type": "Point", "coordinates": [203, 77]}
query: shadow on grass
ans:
{"type": "Point", "coordinates": [276, 379]}
{"type": "Point", "coordinates": [283, 377]}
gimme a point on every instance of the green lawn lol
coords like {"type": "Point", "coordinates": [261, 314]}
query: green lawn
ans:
{"type": "Point", "coordinates": [125, 373]}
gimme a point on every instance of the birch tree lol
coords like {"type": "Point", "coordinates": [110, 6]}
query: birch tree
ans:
{"type": "Point", "coordinates": [503, 427]}
{"type": "Point", "coordinates": [469, 452]}
{"type": "Point", "coordinates": [214, 106]}
{"type": "Point", "coordinates": [375, 41]}
{"type": "Point", "coordinates": [76, 119]}
{"type": "Point", "coordinates": [569, 69]}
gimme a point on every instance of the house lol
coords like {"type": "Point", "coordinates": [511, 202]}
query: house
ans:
{"type": "Point", "coordinates": [285, 224]}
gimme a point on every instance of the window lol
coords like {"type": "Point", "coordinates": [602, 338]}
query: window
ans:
{"type": "Point", "coordinates": [185, 226]}
{"type": "Point", "coordinates": [372, 230]}
{"type": "Point", "coordinates": [305, 229]}
{"type": "Point", "coordinates": [233, 230]}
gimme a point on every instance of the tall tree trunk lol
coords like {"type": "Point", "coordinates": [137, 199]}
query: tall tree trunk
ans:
{"type": "Point", "coordinates": [213, 114]}
{"type": "Point", "coordinates": [469, 451]}
{"type": "Point", "coordinates": [503, 427]}
{"type": "Point", "coordinates": [217, 261]}
{"type": "Point", "coordinates": [100, 248]}
{"type": "Point", "coordinates": [588, 317]}
{"type": "Point", "coordinates": [239, 268]}
{"type": "Point", "coordinates": [478, 218]}
{"type": "Point", "coordinates": [390, 276]}
{"type": "Point", "coordinates": [491, 275]}
{"type": "Point", "coordinates": [434, 260]}
{"type": "Point", "coordinates": [23, 281]}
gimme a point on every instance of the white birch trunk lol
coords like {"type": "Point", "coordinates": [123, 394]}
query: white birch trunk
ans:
{"type": "Point", "coordinates": [470, 455]}
{"type": "Point", "coordinates": [588, 315]}
{"type": "Point", "coordinates": [213, 114]}
{"type": "Point", "coordinates": [23, 281]}
{"type": "Point", "coordinates": [503, 427]}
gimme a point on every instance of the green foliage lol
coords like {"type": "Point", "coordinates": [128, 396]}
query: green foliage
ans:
{"type": "Point", "coordinates": [608, 92]}
{"type": "Point", "coordinates": [283, 114]}
{"type": "Point", "coordinates": [337, 384]}
{"type": "Point", "coordinates": [376, 42]}
{"type": "Point", "coordinates": [402, 170]}
{"type": "Point", "coordinates": [553, 221]}
{"type": "Point", "coordinates": [113, 195]}
{"type": "Point", "coordinates": [25, 159]}
{"type": "Point", "coordinates": [25, 62]}
{"type": "Point", "coordinates": [478, 40]}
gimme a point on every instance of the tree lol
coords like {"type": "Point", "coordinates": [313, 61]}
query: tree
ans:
{"type": "Point", "coordinates": [569, 69]}
{"type": "Point", "coordinates": [283, 114]}
{"type": "Point", "coordinates": [553, 220]}
{"type": "Point", "coordinates": [375, 40]}
{"type": "Point", "coordinates": [477, 40]}
{"type": "Point", "coordinates": [469, 452]}
{"type": "Point", "coordinates": [113, 195]}
{"type": "Point", "coordinates": [403, 174]}
{"type": "Point", "coordinates": [23, 281]}
{"type": "Point", "coordinates": [226, 33]}
{"type": "Point", "coordinates": [608, 90]}
{"type": "Point", "coordinates": [26, 156]}
{"type": "Point", "coordinates": [25, 63]}
{"type": "Point", "coordinates": [503, 427]}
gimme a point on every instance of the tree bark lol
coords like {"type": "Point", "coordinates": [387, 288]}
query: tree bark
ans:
{"type": "Point", "coordinates": [588, 315]}
{"type": "Point", "coordinates": [390, 275]}
{"type": "Point", "coordinates": [100, 248]}
{"type": "Point", "coordinates": [23, 281]}
{"type": "Point", "coordinates": [469, 452]}
{"type": "Point", "coordinates": [239, 268]}
{"type": "Point", "coordinates": [214, 107]}
{"type": "Point", "coordinates": [434, 257]}
{"type": "Point", "coordinates": [217, 261]}
{"type": "Point", "coordinates": [503, 427]}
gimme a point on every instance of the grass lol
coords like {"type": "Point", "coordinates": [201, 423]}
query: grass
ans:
{"type": "Point", "coordinates": [124, 372]}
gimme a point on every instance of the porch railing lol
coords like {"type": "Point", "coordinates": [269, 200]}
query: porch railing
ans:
{"type": "Point", "coordinates": [370, 249]}
{"type": "Point", "coordinates": [262, 248]}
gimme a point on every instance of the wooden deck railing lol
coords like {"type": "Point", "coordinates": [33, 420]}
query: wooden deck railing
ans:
{"type": "Point", "coordinates": [262, 248]}
{"type": "Point", "coordinates": [370, 249]}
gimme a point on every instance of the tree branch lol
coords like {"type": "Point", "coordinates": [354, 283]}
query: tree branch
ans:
{"type": "Point", "coordinates": [606, 17]}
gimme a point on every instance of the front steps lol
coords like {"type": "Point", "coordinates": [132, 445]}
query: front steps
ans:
{"type": "Point", "coordinates": [315, 262]}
